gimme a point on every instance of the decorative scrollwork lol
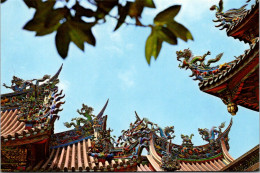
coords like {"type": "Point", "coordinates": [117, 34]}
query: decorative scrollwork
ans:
{"type": "Point", "coordinates": [196, 64]}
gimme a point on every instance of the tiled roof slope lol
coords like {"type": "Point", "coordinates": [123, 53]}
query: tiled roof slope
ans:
{"type": "Point", "coordinates": [75, 157]}
{"type": "Point", "coordinates": [12, 129]}
{"type": "Point", "coordinates": [210, 163]}
{"type": "Point", "coordinates": [29, 112]}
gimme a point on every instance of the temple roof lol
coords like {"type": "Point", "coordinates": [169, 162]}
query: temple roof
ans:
{"type": "Point", "coordinates": [79, 153]}
{"type": "Point", "coordinates": [240, 79]}
{"type": "Point", "coordinates": [251, 158]}
{"type": "Point", "coordinates": [84, 128]}
{"type": "Point", "coordinates": [12, 129]}
{"type": "Point", "coordinates": [165, 155]}
{"type": "Point", "coordinates": [29, 112]}
{"type": "Point", "coordinates": [144, 168]}
{"type": "Point", "coordinates": [240, 23]}
{"type": "Point", "coordinates": [86, 147]}
{"type": "Point", "coordinates": [235, 67]}
{"type": "Point", "coordinates": [75, 157]}
{"type": "Point", "coordinates": [237, 81]}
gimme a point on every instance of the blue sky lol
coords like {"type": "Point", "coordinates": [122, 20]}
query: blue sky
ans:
{"type": "Point", "coordinates": [116, 69]}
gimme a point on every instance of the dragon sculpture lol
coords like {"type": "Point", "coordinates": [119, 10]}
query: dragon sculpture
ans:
{"type": "Point", "coordinates": [167, 132]}
{"type": "Point", "coordinates": [186, 140]}
{"type": "Point", "coordinates": [86, 112]}
{"type": "Point", "coordinates": [210, 135]}
{"type": "Point", "coordinates": [103, 143]}
{"type": "Point", "coordinates": [169, 161]}
{"type": "Point", "coordinates": [136, 138]}
{"type": "Point", "coordinates": [229, 17]}
{"type": "Point", "coordinates": [92, 125]}
{"type": "Point", "coordinates": [39, 105]}
{"type": "Point", "coordinates": [196, 64]}
{"type": "Point", "coordinates": [19, 84]}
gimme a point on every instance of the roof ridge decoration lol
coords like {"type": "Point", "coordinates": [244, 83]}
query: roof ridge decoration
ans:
{"type": "Point", "coordinates": [218, 78]}
{"type": "Point", "coordinates": [89, 119]}
{"type": "Point", "coordinates": [37, 102]}
{"type": "Point", "coordinates": [210, 135]}
{"type": "Point", "coordinates": [188, 152]}
{"type": "Point", "coordinates": [86, 127]}
{"type": "Point", "coordinates": [201, 71]}
{"type": "Point", "coordinates": [186, 140]}
{"type": "Point", "coordinates": [19, 85]}
{"type": "Point", "coordinates": [234, 19]}
{"type": "Point", "coordinates": [102, 110]}
{"type": "Point", "coordinates": [229, 17]}
{"type": "Point", "coordinates": [37, 107]}
{"type": "Point", "coordinates": [144, 133]}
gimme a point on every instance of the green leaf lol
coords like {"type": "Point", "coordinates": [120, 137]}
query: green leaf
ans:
{"type": "Point", "coordinates": [122, 11]}
{"type": "Point", "coordinates": [40, 28]}
{"type": "Point", "coordinates": [33, 25]}
{"type": "Point", "coordinates": [149, 47]}
{"type": "Point", "coordinates": [75, 38]}
{"type": "Point", "coordinates": [44, 31]}
{"type": "Point", "coordinates": [149, 3]}
{"type": "Point", "coordinates": [167, 15]}
{"type": "Point", "coordinates": [153, 46]}
{"type": "Point", "coordinates": [43, 9]}
{"type": "Point", "coordinates": [2, 1]}
{"type": "Point", "coordinates": [81, 32]}
{"type": "Point", "coordinates": [136, 8]}
{"type": "Point", "coordinates": [166, 35]}
{"type": "Point", "coordinates": [104, 7]}
{"type": "Point", "coordinates": [38, 22]}
{"type": "Point", "coordinates": [157, 48]}
{"type": "Point", "coordinates": [179, 30]}
{"type": "Point", "coordinates": [81, 11]}
{"type": "Point", "coordinates": [54, 16]}
{"type": "Point", "coordinates": [32, 4]}
{"type": "Point", "coordinates": [62, 40]}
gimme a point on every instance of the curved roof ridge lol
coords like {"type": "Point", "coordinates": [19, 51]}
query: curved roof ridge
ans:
{"type": "Point", "coordinates": [54, 77]}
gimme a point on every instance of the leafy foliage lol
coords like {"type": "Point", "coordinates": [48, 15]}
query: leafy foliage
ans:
{"type": "Point", "coordinates": [70, 25]}
{"type": "Point", "coordinates": [165, 28]}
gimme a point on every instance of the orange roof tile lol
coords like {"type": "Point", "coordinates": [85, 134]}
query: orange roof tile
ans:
{"type": "Point", "coordinates": [75, 157]}
{"type": "Point", "coordinates": [12, 129]}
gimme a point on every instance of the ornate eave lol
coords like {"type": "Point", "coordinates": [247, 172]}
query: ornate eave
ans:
{"type": "Point", "coordinates": [17, 93]}
{"type": "Point", "coordinates": [210, 163]}
{"type": "Point", "coordinates": [239, 23]}
{"type": "Point", "coordinates": [246, 25]}
{"type": "Point", "coordinates": [23, 120]}
{"type": "Point", "coordinates": [247, 162]}
{"type": "Point", "coordinates": [241, 78]}
{"type": "Point", "coordinates": [251, 56]}
{"type": "Point", "coordinates": [235, 82]}
{"type": "Point", "coordinates": [79, 149]}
